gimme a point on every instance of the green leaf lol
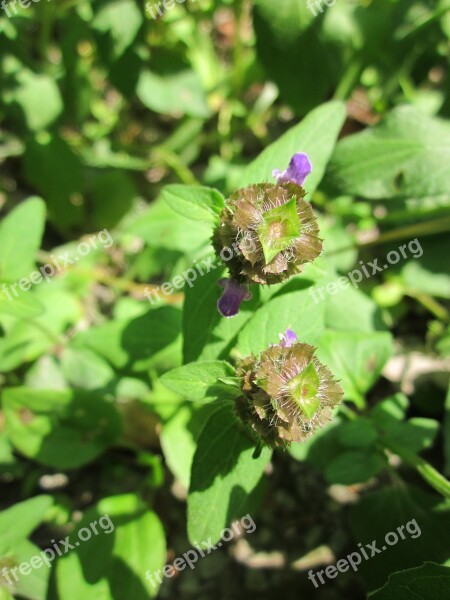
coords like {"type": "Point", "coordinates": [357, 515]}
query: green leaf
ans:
{"type": "Point", "coordinates": [416, 434]}
{"type": "Point", "coordinates": [289, 34]}
{"type": "Point", "coordinates": [20, 239]}
{"type": "Point", "coordinates": [428, 274]}
{"type": "Point", "coordinates": [365, 315]}
{"type": "Point", "coordinates": [25, 340]}
{"type": "Point", "coordinates": [291, 307]}
{"type": "Point", "coordinates": [316, 135]}
{"type": "Point", "coordinates": [224, 473]}
{"type": "Point", "coordinates": [134, 343]}
{"type": "Point", "coordinates": [179, 438]}
{"type": "Point", "coordinates": [199, 381]}
{"type": "Point", "coordinates": [6, 452]}
{"type": "Point", "coordinates": [21, 519]}
{"type": "Point", "coordinates": [425, 519]}
{"type": "Point", "coordinates": [290, 20]}
{"type": "Point", "coordinates": [61, 429]}
{"type": "Point", "coordinates": [356, 359]}
{"type": "Point", "coordinates": [357, 434]}
{"type": "Point", "coordinates": [160, 227]}
{"type": "Point", "coordinates": [206, 334]}
{"type": "Point", "coordinates": [120, 19]}
{"type": "Point", "coordinates": [32, 586]}
{"type": "Point", "coordinates": [321, 448]}
{"type": "Point", "coordinates": [113, 564]}
{"type": "Point", "coordinates": [406, 155]}
{"type": "Point", "coordinates": [25, 306]}
{"type": "Point", "coordinates": [16, 524]}
{"type": "Point", "coordinates": [390, 409]}
{"type": "Point", "coordinates": [352, 467]}
{"type": "Point", "coordinates": [84, 369]}
{"type": "Point", "coordinates": [39, 99]}
{"type": "Point", "coordinates": [119, 188]}
{"type": "Point", "coordinates": [428, 582]}
{"type": "Point", "coordinates": [179, 92]}
{"type": "Point", "coordinates": [56, 172]}
{"type": "Point", "coordinates": [46, 374]}
{"type": "Point", "coordinates": [194, 202]}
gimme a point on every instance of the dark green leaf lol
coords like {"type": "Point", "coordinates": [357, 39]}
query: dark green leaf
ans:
{"type": "Point", "coordinates": [425, 519]}
{"type": "Point", "coordinates": [428, 582]}
{"type": "Point", "coordinates": [224, 473]}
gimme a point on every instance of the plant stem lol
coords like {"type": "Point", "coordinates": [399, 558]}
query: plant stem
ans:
{"type": "Point", "coordinates": [238, 53]}
{"type": "Point", "coordinates": [427, 228]}
{"type": "Point", "coordinates": [173, 161]}
{"type": "Point", "coordinates": [428, 302]}
{"type": "Point", "coordinates": [437, 481]}
{"type": "Point", "coordinates": [349, 79]}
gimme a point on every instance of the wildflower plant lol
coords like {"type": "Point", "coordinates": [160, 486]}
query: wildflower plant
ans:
{"type": "Point", "coordinates": [106, 399]}
{"type": "Point", "coordinates": [261, 393]}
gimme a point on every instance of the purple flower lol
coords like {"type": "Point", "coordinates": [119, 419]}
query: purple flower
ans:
{"type": "Point", "coordinates": [288, 339]}
{"type": "Point", "coordinates": [230, 301]}
{"type": "Point", "coordinates": [298, 170]}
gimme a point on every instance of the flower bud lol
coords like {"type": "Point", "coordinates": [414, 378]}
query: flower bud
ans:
{"type": "Point", "coordinates": [287, 393]}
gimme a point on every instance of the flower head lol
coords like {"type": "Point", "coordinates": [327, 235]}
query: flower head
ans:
{"type": "Point", "coordinates": [273, 229]}
{"type": "Point", "coordinates": [287, 393]}
{"type": "Point", "coordinates": [298, 170]}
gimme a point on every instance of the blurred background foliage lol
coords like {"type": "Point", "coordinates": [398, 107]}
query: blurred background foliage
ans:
{"type": "Point", "coordinates": [100, 107]}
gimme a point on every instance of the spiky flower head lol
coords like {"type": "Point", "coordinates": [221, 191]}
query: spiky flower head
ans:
{"type": "Point", "coordinates": [287, 393]}
{"type": "Point", "coordinates": [271, 227]}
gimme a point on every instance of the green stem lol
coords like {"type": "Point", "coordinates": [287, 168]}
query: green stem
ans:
{"type": "Point", "coordinates": [238, 52]}
{"type": "Point", "coordinates": [46, 18]}
{"type": "Point", "coordinates": [428, 302]}
{"type": "Point", "coordinates": [428, 19]}
{"type": "Point", "coordinates": [171, 160]}
{"type": "Point", "coordinates": [411, 231]}
{"type": "Point", "coordinates": [426, 228]}
{"type": "Point", "coordinates": [349, 79]}
{"type": "Point", "coordinates": [437, 481]}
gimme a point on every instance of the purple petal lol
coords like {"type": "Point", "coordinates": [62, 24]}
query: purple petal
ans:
{"type": "Point", "coordinates": [298, 170]}
{"type": "Point", "coordinates": [232, 297]}
{"type": "Point", "coordinates": [288, 339]}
